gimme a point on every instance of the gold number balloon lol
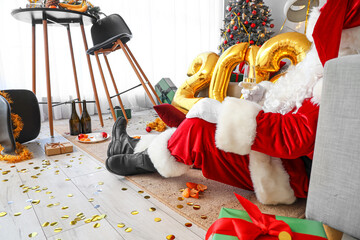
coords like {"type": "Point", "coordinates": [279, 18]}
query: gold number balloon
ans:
{"type": "Point", "coordinates": [290, 45]}
{"type": "Point", "coordinates": [200, 73]}
{"type": "Point", "coordinates": [222, 72]}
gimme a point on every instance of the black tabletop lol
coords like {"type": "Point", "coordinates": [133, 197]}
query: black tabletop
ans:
{"type": "Point", "coordinates": [53, 15]}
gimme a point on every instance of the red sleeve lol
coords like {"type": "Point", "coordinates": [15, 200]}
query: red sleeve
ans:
{"type": "Point", "coordinates": [287, 136]}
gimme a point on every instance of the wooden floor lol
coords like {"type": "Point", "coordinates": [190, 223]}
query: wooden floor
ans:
{"type": "Point", "coordinates": [74, 197]}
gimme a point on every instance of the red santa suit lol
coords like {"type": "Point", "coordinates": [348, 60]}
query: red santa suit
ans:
{"type": "Point", "coordinates": [252, 146]}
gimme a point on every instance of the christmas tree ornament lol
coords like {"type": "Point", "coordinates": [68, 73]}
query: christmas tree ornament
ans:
{"type": "Point", "coordinates": [263, 23]}
{"type": "Point", "coordinates": [228, 30]}
{"type": "Point", "coordinates": [225, 42]}
{"type": "Point", "coordinates": [229, 8]}
{"type": "Point", "coordinates": [235, 27]}
{"type": "Point", "coordinates": [271, 25]}
{"type": "Point", "coordinates": [246, 22]}
{"type": "Point", "coordinates": [238, 14]}
{"type": "Point", "coordinates": [231, 36]}
{"type": "Point", "coordinates": [232, 22]}
{"type": "Point", "coordinates": [254, 12]}
{"type": "Point", "coordinates": [253, 25]}
{"type": "Point", "coordinates": [251, 42]}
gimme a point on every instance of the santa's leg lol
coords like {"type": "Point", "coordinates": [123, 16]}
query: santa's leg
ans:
{"type": "Point", "coordinates": [121, 142]}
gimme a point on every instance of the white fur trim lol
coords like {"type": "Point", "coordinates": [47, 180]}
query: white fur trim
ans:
{"type": "Point", "coordinates": [317, 92]}
{"type": "Point", "coordinates": [144, 142]}
{"type": "Point", "coordinates": [160, 156]}
{"type": "Point", "coordinates": [236, 128]}
{"type": "Point", "coordinates": [313, 17]}
{"type": "Point", "coordinates": [270, 180]}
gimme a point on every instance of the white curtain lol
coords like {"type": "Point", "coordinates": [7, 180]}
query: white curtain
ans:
{"type": "Point", "coordinates": [167, 36]}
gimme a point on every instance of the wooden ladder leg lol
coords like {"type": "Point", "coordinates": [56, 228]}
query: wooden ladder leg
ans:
{"type": "Point", "coordinates": [136, 72]}
{"type": "Point", "coordinates": [48, 85]}
{"type": "Point", "coordinates": [142, 72]}
{"type": "Point", "coordinates": [105, 86]}
{"type": "Point", "coordinates": [115, 87]}
{"type": "Point", "coordinates": [33, 58]}
{"type": "Point", "coordinates": [74, 67]}
{"type": "Point", "coordinates": [91, 75]}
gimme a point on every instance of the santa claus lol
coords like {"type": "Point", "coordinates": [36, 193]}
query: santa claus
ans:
{"type": "Point", "coordinates": [264, 142]}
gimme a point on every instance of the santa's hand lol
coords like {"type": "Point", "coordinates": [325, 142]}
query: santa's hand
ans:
{"type": "Point", "coordinates": [255, 94]}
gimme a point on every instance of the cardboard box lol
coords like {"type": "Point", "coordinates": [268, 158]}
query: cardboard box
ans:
{"type": "Point", "coordinates": [165, 89]}
{"type": "Point", "coordinates": [58, 148]}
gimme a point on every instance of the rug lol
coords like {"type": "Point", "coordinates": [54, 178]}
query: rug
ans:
{"type": "Point", "coordinates": [167, 190]}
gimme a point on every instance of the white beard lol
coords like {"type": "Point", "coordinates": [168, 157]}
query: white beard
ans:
{"type": "Point", "coordinates": [291, 89]}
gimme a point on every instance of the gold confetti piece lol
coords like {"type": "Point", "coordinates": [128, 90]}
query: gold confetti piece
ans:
{"type": "Point", "coordinates": [34, 176]}
{"type": "Point", "coordinates": [25, 188]}
{"type": "Point", "coordinates": [147, 197]}
{"type": "Point", "coordinates": [87, 220]}
{"type": "Point", "coordinates": [180, 198]}
{"type": "Point", "coordinates": [38, 174]}
{"type": "Point", "coordinates": [45, 188]}
{"type": "Point", "coordinates": [49, 192]}
{"type": "Point", "coordinates": [134, 212]}
{"type": "Point", "coordinates": [78, 219]}
{"type": "Point", "coordinates": [12, 166]}
{"type": "Point", "coordinates": [45, 224]}
{"type": "Point", "coordinates": [188, 224]}
{"type": "Point", "coordinates": [157, 219]}
{"type": "Point", "coordinates": [51, 197]}
{"type": "Point", "coordinates": [95, 218]}
{"type": "Point", "coordinates": [181, 190]}
{"type": "Point", "coordinates": [196, 207]}
{"type": "Point", "coordinates": [203, 217]}
{"type": "Point", "coordinates": [71, 160]}
{"type": "Point", "coordinates": [57, 230]}
{"type": "Point", "coordinates": [128, 230]}
{"type": "Point", "coordinates": [73, 222]}
{"type": "Point", "coordinates": [17, 214]}
{"type": "Point", "coordinates": [28, 207]}
{"type": "Point", "coordinates": [56, 160]}
{"type": "Point", "coordinates": [91, 199]}
{"type": "Point", "coordinates": [121, 225]}
{"type": "Point", "coordinates": [50, 205]}
{"type": "Point", "coordinates": [65, 217]}
{"type": "Point", "coordinates": [30, 163]}
{"type": "Point", "coordinates": [80, 214]}
{"type": "Point", "coordinates": [140, 191]}
{"type": "Point", "coordinates": [96, 225]}
{"type": "Point", "coordinates": [53, 224]}
{"type": "Point", "coordinates": [180, 206]}
{"type": "Point", "coordinates": [190, 203]}
{"type": "Point", "coordinates": [98, 168]}
{"type": "Point", "coordinates": [152, 209]}
{"type": "Point", "coordinates": [33, 234]}
{"type": "Point", "coordinates": [37, 191]}
{"type": "Point", "coordinates": [5, 180]}
{"type": "Point", "coordinates": [170, 237]}
{"type": "Point", "coordinates": [102, 216]}
{"type": "Point", "coordinates": [101, 183]}
{"type": "Point", "coordinates": [70, 195]}
{"type": "Point", "coordinates": [124, 189]}
{"type": "Point", "coordinates": [2, 214]}
{"type": "Point", "coordinates": [56, 204]}
{"type": "Point", "coordinates": [25, 191]}
{"type": "Point", "coordinates": [36, 168]}
{"type": "Point", "coordinates": [21, 185]}
{"type": "Point", "coordinates": [68, 154]}
{"type": "Point", "coordinates": [80, 162]}
{"type": "Point", "coordinates": [67, 179]}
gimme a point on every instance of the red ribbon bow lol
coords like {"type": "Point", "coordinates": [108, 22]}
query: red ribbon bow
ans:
{"type": "Point", "coordinates": [263, 226]}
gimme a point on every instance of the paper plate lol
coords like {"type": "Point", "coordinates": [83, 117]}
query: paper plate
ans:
{"type": "Point", "coordinates": [94, 137]}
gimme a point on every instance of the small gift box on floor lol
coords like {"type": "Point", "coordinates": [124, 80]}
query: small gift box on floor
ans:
{"type": "Point", "coordinates": [165, 89]}
{"type": "Point", "coordinates": [253, 225]}
{"type": "Point", "coordinates": [58, 148]}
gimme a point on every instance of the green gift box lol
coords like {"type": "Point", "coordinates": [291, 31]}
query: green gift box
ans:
{"type": "Point", "coordinates": [119, 113]}
{"type": "Point", "coordinates": [236, 77]}
{"type": "Point", "coordinates": [297, 225]}
{"type": "Point", "coordinates": [165, 89]}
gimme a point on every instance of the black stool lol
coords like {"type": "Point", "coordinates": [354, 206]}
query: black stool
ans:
{"type": "Point", "coordinates": [110, 34]}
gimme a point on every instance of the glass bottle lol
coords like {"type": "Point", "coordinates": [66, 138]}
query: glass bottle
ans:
{"type": "Point", "coordinates": [85, 120]}
{"type": "Point", "coordinates": [74, 121]}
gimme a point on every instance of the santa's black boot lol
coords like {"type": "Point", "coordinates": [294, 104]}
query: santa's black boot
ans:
{"type": "Point", "coordinates": [130, 164]}
{"type": "Point", "coordinates": [121, 142]}
{"type": "Point", "coordinates": [6, 133]}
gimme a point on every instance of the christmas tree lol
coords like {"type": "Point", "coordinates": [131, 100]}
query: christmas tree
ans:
{"type": "Point", "coordinates": [246, 21]}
